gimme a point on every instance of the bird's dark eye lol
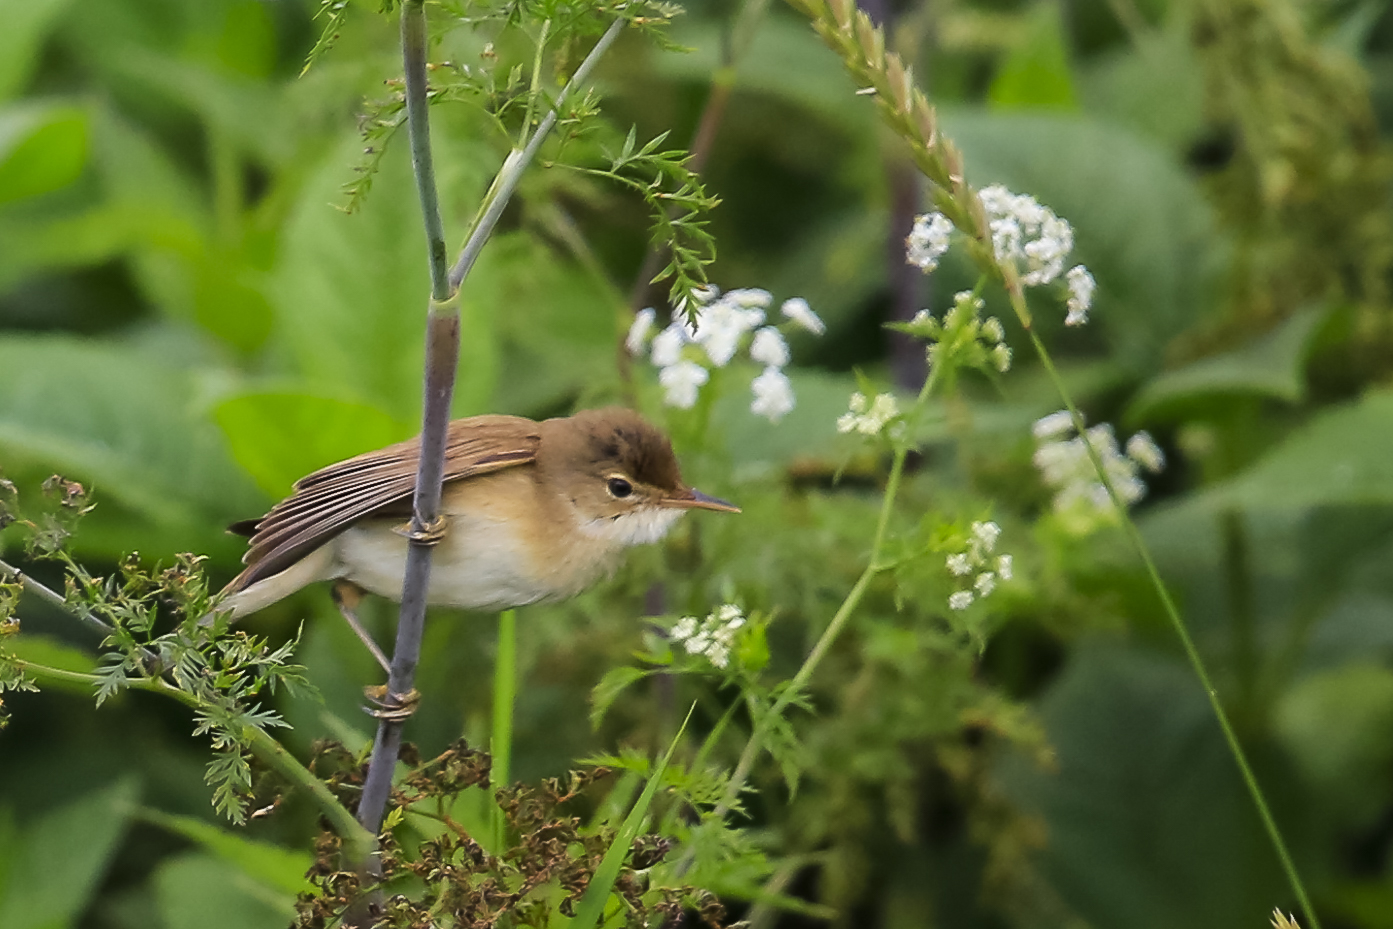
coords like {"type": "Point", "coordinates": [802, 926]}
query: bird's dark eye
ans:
{"type": "Point", "coordinates": [618, 487]}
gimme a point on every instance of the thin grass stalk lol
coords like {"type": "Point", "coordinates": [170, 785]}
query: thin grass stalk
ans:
{"type": "Point", "coordinates": [1182, 632]}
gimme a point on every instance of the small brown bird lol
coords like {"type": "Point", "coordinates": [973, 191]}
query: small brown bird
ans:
{"type": "Point", "coordinates": [533, 512]}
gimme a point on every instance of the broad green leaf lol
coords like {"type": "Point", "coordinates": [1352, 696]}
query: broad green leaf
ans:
{"type": "Point", "coordinates": [65, 854]}
{"type": "Point", "coordinates": [1344, 456]}
{"type": "Point", "coordinates": [758, 447]}
{"type": "Point", "coordinates": [199, 891]}
{"type": "Point", "coordinates": [1154, 86]}
{"type": "Point", "coordinates": [26, 23]}
{"type": "Point", "coordinates": [1338, 725]}
{"type": "Point", "coordinates": [1035, 74]}
{"type": "Point", "coordinates": [42, 147]}
{"type": "Point", "coordinates": [1272, 366]}
{"type": "Point", "coordinates": [279, 437]}
{"type": "Point", "coordinates": [1141, 224]}
{"type": "Point", "coordinates": [351, 290]}
{"type": "Point", "coordinates": [280, 868]}
{"type": "Point", "coordinates": [136, 429]}
{"type": "Point", "coordinates": [1149, 824]}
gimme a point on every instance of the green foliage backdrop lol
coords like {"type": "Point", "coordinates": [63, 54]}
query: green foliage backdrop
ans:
{"type": "Point", "coordinates": [189, 321]}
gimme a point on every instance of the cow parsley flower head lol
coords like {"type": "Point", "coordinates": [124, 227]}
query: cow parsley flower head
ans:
{"type": "Point", "coordinates": [682, 381]}
{"type": "Point", "coordinates": [928, 241]}
{"type": "Point", "coordinates": [869, 417]}
{"type": "Point", "coordinates": [639, 329]}
{"type": "Point", "coordinates": [769, 348]}
{"type": "Point", "coordinates": [667, 346]}
{"type": "Point", "coordinates": [722, 325]}
{"type": "Point", "coordinates": [712, 637]}
{"type": "Point", "coordinates": [974, 566]}
{"type": "Point", "coordinates": [1081, 288]}
{"type": "Point", "coordinates": [1080, 498]}
{"type": "Point", "coordinates": [797, 310]}
{"type": "Point", "coordinates": [773, 395]}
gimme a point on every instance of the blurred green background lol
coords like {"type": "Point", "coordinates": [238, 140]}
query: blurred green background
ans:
{"type": "Point", "coordinates": [188, 323]}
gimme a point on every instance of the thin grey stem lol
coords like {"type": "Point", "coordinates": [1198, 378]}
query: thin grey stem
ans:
{"type": "Point", "coordinates": [53, 598]}
{"type": "Point", "coordinates": [442, 358]}
{"type": "Point", "coordinates": [518, 160]}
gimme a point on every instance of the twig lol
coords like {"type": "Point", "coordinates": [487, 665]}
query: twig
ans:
{"type": "Point", "coordinates": [442, 353]}
{"type": "Point", "coordinates": [53, 598]}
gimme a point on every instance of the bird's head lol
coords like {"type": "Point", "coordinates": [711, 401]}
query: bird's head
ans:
{"type": "Point", "coordinates": [618, 474]}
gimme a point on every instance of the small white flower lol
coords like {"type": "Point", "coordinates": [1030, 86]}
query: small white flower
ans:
{"type": "Point", "coordinates": [682, 381]}
{"type": "Point", "coordinates": [985, 583]}
{"type": "Point", "coordinates": [960, 600]}
{"type": "Point", "coordinates": [797, 309]}
{"type": "Point", "coordinates": [868, 417]}
{"type": "Point", "coordinates": [773, 395]}
{"type": "Point", "coordinates": [1053, 425]}
{"type": "Point", "coordinates": [928, 241]}
{"type": "Point", "coordinates": [731, 615]}
{"type": "Point", "coordinates": [639, 329]}
{"type": "Point", "coordinates": [667, 346]}
{"type": "Point", "coordinates": [958, 564]}
{"type": "Point", "coordinates": [1004, 567]}
{"type": "Point", "coordinates": [706, 293]}
{"type": "Point", "coordinates": [686, 628]}
{"type": "Point", "coordinates": [769, 348]}
{"type": "Point", "coordinates": [993, 329]}
{"type": "Point", "coordinates": [1142, 449]}
{"type": "Point", "coordinates": [750, 298]}
{"type": "Point", "coordinates": [1081, 288]}
{"type": "Point", "coordinates": [985, 535]}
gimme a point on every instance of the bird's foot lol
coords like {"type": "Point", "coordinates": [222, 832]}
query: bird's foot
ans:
{"type": "Point", "coordinates": [429, 534]}
{"type": "Point", "coordinates": [347, 596]}
{"type": "Point", "coordinates": [393, 707]}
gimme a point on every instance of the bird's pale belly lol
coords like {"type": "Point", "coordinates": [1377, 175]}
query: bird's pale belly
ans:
{"type": "Point", "coordinates": [480, 564]}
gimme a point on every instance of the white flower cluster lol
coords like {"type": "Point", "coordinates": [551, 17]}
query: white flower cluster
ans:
{"type": "Point", "coordinates": [711, 637]}
{"type": "Point", "coordinates": [1025, 234]}
{"type": "Point", "coordinates": [722, 322]}
{"type": "Point", "coordinates": [869, 417]}
{"type": "Point", "coordinates": [928, 241]}
{"type": "Point", "coordinates": [977, 562]}
{"type": "Point", "coordinates": [1063, 460]}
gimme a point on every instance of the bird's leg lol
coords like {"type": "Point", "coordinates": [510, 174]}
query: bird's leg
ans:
{"type": "Point", "coordinates": [347, 595]}
{"type": "Point", "coordinates": [396, 707]}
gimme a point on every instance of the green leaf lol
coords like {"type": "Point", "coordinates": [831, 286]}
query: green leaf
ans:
{"type": "Point", "coordinates": [65, 854]}
{"type": "Point", "coordinates": [27, 23]}
{"type": "Point", "coordinates": [42, 148]}
{"type": "Point", "coordinates": [351, 290]}
{"type": "Point", "coordinates": [280, 868]}
{"type": "Point", "coordinates": [1035, 74]}
{"type": "Point", "coordinates": [1149, 824]}
{"type": "Point", "coordinates": [116, 417]}
{"type": "Point", "coordinates": [615, 682]}
{"type": "Point", "coordinates": [281, 437]}
{"type": "Point", "coordinates": [1343, 456]}
{"type": "Point", "coordinates": [199, 891]}
{"type": "Point", "coordinates": [1272, 366]}
{"type": "Point", "coordinates": [590, 911]}
{"type": "Point", "coordinates": [1338, 725]}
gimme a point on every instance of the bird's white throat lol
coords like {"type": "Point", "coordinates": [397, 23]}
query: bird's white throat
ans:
{"type": "Point", "coordinates": [642, 526]}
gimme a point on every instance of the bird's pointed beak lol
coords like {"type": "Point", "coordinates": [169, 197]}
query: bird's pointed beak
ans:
{"type": "Point", "coordinates": [689, 499]}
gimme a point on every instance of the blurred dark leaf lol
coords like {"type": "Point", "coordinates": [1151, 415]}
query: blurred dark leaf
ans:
{"type": "Point", "coordinates": [198, 891]}
{"type": "Point", "coordinates": [278, 868]}
{"type": "Point", "coordinates": [57, 860]}
{"type": "Point", "coordinates": [26, 23]}
{"type": "Point", "coordinates": [1272, 366]}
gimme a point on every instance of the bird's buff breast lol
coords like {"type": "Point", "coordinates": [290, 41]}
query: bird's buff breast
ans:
{"type": "Point", "coordinates": [484, 562]}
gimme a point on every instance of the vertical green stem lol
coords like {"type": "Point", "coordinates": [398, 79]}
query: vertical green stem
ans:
{"type": "Point", "coordinates": [504, 695]}
{"type": "Point", "coordinates": [1191, 652]}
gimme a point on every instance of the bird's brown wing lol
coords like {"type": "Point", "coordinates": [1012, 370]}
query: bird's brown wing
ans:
{"type": "Point", "coordinates": [377, 483]}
